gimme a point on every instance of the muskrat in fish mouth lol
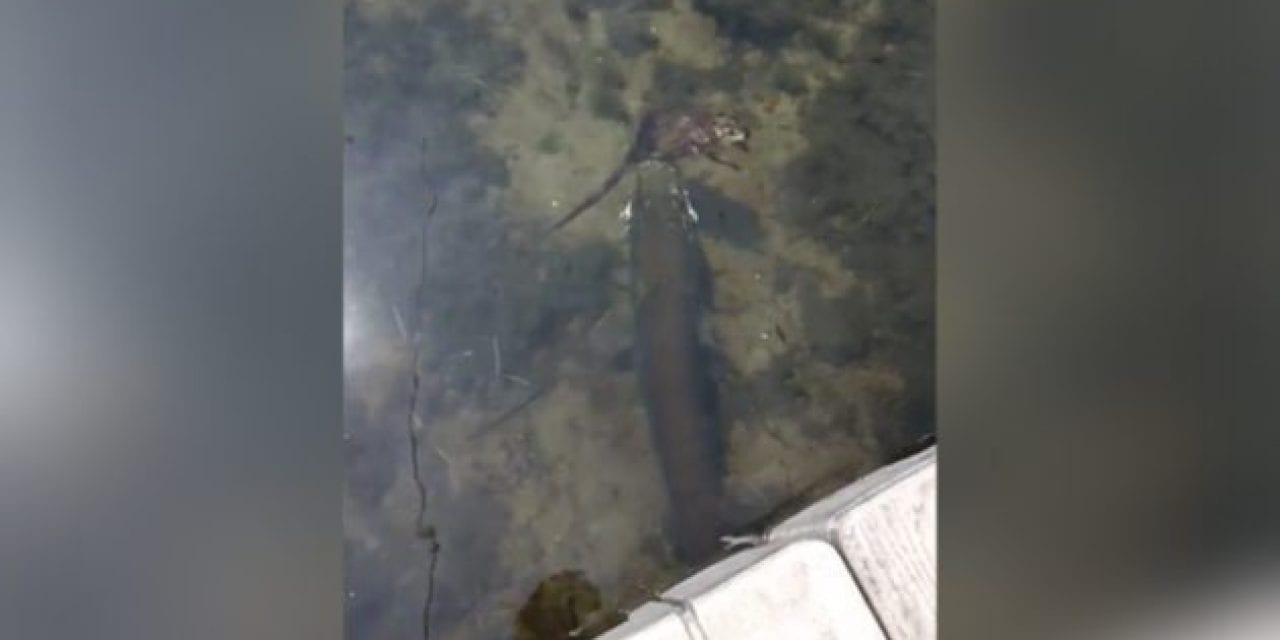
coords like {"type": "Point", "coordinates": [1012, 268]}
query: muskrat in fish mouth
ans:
{"type": "Point", "coordinates": [672, 136]}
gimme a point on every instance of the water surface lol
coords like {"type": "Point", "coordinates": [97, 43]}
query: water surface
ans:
{"type": "Point", "coordinates": [500, 359]}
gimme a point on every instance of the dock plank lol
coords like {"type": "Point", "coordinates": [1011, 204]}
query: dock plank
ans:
{"type": "Point", "coordinates": [885, 526]}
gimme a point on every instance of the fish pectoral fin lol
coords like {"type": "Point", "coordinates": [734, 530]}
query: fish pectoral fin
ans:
{"type": "Point", "coordinates": [743, 523]}
{"type": "Point", "coordinates": [691, 214]}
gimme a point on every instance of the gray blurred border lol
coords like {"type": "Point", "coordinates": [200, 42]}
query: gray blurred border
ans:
{"type": "Point", "coordinates": [1108, 305]}
{"type": "Point", "coordinates": [170, 254]}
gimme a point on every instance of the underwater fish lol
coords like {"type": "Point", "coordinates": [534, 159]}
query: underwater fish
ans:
{"type": "Point", "coordinates": [670, 291]}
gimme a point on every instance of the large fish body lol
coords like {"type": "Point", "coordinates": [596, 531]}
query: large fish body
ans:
{"type": "Point", "coordinates": [670, 293]}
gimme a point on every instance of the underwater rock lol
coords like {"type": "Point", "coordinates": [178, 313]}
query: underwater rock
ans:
{"type": "Point", "coordinates": [564, 606]}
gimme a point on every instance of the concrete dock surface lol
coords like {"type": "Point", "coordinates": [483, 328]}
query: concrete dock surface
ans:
{"type": "Point", "coordinates": [860, 564]}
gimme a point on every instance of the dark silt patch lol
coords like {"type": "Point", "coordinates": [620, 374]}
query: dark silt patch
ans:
{"type": "Point", "coordinates": [607, 85]}
{"type": "Point", "coordinates": [579, 10]}
{"type": "Point", "coordinates": [630, 34]}
{"type": "Point", "coordinates": [837, 330]}
{"type": "Point", "coordinates": [864, 188]}
{"type": "Point", "coordinates": [868, 172]}
{"type": "Point", "coordinates": [608, 105]}
{"type": "Point", "coordinates": [724, 218]}
{"type": "Point", "coordinates": [772, 24]}
{"type": "Point", "coordinates": [677, 86]}
{"type": "Point", "coordinates": [768, 24]}
{"type": "Point", "coordinates": [788, 79]}
{"type": "Point", "coordinates": [445, 63]}
{"type": "Point", "coordinates": [775, 391]}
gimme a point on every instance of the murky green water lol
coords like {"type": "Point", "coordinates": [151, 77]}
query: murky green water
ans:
{"type": "Point", "coordinates": [501, 358]}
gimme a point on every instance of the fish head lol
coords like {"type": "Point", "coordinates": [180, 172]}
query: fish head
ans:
{"type": "Point", "coordinates": [660, 197]}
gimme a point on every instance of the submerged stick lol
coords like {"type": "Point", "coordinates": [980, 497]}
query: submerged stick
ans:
{"type": "Point", "coordinates": [422, 530]}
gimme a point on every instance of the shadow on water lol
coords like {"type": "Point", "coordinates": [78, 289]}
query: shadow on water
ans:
{"type": "Point", "coordinates": [501, 360]}
{"type": "Point", "coordinates": [723, 218]}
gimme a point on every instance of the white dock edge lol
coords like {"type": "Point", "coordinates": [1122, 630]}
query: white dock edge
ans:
{"type": "Point", "coordinates": [859, 564]}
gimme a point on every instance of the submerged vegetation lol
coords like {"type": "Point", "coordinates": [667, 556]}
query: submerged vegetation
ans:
{"type": "Point", "coordinates": [563, 607]}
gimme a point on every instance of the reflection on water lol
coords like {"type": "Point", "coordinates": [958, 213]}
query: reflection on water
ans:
{"type": "Point", "coordinates": [508, 355]}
